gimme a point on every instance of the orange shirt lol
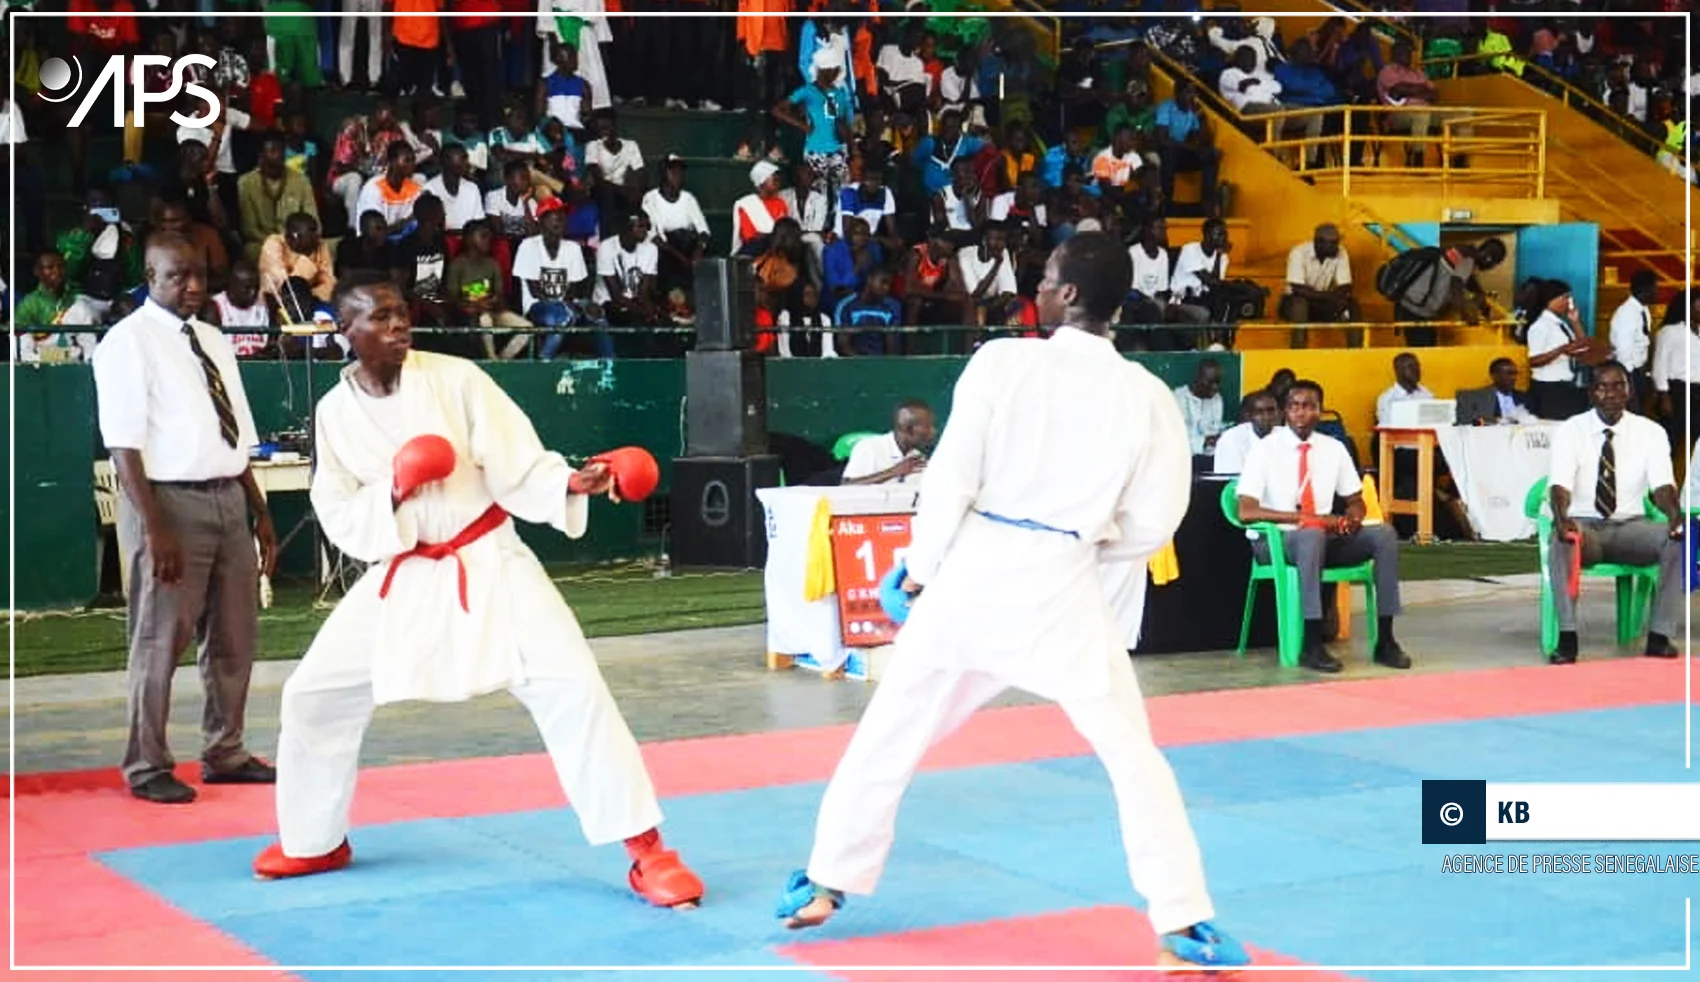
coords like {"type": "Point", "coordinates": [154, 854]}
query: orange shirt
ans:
{"type": "Point", "coordinates": [418, 31]}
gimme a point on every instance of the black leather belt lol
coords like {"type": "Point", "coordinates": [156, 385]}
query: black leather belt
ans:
{"type": "Point", "coordinates": [211, 484]}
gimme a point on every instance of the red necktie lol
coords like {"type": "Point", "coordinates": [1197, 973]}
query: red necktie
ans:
{"type": "Point", "coordinates": [1307, 495]}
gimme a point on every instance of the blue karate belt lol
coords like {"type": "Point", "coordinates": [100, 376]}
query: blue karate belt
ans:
{"type": "Point", "coordinates": [1025, 523]}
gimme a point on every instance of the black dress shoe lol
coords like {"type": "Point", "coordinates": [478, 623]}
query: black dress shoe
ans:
{"type": "Point", "coordinates": [1659, 646]}
{"type": "Point", "coordinates": [163, 789]}
{"type": "Point", "coordinates": [1565, 653]}
{"type": "Point", "coordinates": [1390, 654]}
{"type": "Point", "coordinates": [251, 771]}
{"type": "Point", "coordinates": [1316, 658]}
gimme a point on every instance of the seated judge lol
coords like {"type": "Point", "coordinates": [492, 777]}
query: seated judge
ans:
{"type": "Point", "coordinates": [1500, 403]}
{"type": "Point", "coordinates": [897, 457]}
{"type": "Point", "coordinates": [1604, 463]}
{"type": "Point", "coordinates": [1258, 416]}
{"type": "Point", "coordinates": [1304, 482]}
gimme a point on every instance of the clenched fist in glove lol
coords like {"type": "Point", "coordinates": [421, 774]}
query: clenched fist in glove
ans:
{"type": "Point", "coordinates": [634, 470]}
{"type": "Point", "coordinates": [419, 462]}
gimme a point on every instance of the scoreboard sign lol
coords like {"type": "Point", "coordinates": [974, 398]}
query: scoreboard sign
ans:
{"type": "Point", "coordinates": [865, 548]}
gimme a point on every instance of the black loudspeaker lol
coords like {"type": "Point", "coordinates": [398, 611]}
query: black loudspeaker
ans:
{"type": "Point", "coordinates": [725, 304]}
{"type": "Point", "coordinates": [725, 404]}
{"type": "Point", "coordinates": [717, 520]}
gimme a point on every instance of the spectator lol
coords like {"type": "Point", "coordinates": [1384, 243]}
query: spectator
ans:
{"type": "Point", "coordinates": [681, 230]}
{"type": "Point", "coordinates": [937, 155]}
{"type": "Point", "coordinates": [393, 193]}
{"type": "Point", "coordinates": [875, 204]}
{"type": "Point", "coordinates": [299, 253]}
{"type": "Point", "coordinates": [1445, 283]}
{"type": "Point", "coordinates": [419, 45]}
{"type": "Point", "coordinates": [848, 260]}
{"type": "Point", "coordinates": [240, 306]}
{"type": "Point", "coordinates": [360, 152]}
{"type": "Point", "coordinates": [1258, 414]}
{"type": "Point", "coordinates": [1151, 302]}
{"type": "Point", "coordinates": [1504, 403]}
{"type": "Point", "coordinates": [462, 202]}
{"type": "Point", "coordinates": [1201, 406]}
{"type": "Point", "coordinates": [961, 205]}
{"type": "Point", "coordinates": [1319, 284]}
{"type": "Point", "coordinates": [822, 110]}
{"type": "Point", "coordinates": [1407, 384]}
{"type": "Point", "coordinates": [554, 281]}
{"type": "Point", "coordinates": [988, 276]}
{"type": "Point", "coordinates": [1073, 153]}
{"type": "Point", "coordinates": [1632, 337]}
{"type": "Point", "coordinates": [1404, 85]}
{"type": "Point", "coordinates": [1305, 85]}
{"type": "Point", "coordinates": [1114, 168]}
{"type": "Point", "coordinates": [1248, 88]}
{"type": "Point", "coordinates": [564, 94]}
{"type": "Point", "coordinates": [1676, 367]}
{"type": "Point", "coordinates": [1556, 340]}
{"type": "Point", "coordinates": [904, 85]}
{"type": "Point", "coordinates": [51, 297]}
{"type": "Point", "coordinates": [474, 288]}
{"type": "Point", "coordinates": [370, 250]}
{"type": "Point", "coordinates": [1200, 276]}
{"type": "Point", "coordinates": [805, 329]}
{"type": "Point", "coordinates": [172, 217]}
{"type": "Point", "coordinates": [933, 290]}
{"type": "Point", "coordinates": [269, 194]}
{"type": "Point", "coordinates": [1185, 143]}
{"type": "Point", "coordinates": [625, 276]}
{"type": "Point", "coordinates": [421, 263]}
{"type": "Point", "coordinates": [295, 43]}
{"type": "Point", "coordinates": [810, 208]}
{"type": "Point", "coordinates": [865, 314]}
{"type": "Point", "coordinates": [357, 14]}
{"type": "Point", "coordinates": [754, 215]}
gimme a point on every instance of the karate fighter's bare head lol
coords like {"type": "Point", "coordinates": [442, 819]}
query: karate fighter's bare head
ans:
{"type": "Point", "coordinates": [176, 274]}
{"type": "Point", "coordinates": [379, 327]}
{"type": "Point", "coordinates": [1086, 280]}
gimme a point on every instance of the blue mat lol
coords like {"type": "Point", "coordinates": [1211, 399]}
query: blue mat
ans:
{"type": "Point", "coordinates": [1312, 845]}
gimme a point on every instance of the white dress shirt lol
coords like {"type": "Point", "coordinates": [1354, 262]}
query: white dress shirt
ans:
{"type": "Point", "coordinates": [1631, 334]}
{"type": "Point", "coordinates": [1397, 393]}
{"type": "Point", "coordinates": [1203, 416]}
{"type": "Point", "coordinates": [1674, 357]}
{"type": "Point", "coordinates": [1641, 456]}
{"type": "Point", "coordinates": [873, 454]}
{"type": "Point", "coordinates": [1233, 447]}
{"type": "Point", "coordinates": [153, 397]}
{"type": "Point", "coordinates": [1271, 472]}
{"type": "Point", "coordinates": [1548, 333]}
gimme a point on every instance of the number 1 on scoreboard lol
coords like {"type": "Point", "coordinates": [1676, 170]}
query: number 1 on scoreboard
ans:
{"type": "Point", "coordinates": [865, 552]}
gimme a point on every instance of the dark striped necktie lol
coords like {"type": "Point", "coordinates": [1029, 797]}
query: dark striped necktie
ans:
{"type": "Point", "coordinates": [1605, 489]}
{"type": "Point", "coordinates": [215, 387]}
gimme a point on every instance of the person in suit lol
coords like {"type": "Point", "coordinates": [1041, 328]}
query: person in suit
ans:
{"type": "Point", "coordinates": [1501, 402]}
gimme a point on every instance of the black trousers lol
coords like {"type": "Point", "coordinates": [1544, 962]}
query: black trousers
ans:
{"type": "Point", "coordinates": [478, 52]}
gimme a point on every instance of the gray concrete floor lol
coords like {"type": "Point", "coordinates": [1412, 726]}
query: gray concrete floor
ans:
{"type": "Point", "coordinates": [714, 682]}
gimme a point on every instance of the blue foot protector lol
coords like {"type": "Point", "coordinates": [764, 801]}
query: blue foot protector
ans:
{"type": "Point", "coordinates": [800, 891]}
{"type": "Point", "coordinates": [893, 600]}
{"type": "Point", "coordinates": [1204, 944]}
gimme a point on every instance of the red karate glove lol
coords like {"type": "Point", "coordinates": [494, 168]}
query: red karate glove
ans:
{"type": "Point", "coordinates": [420, 461]}
{"type": "Point", "coordinates": [635, 472]}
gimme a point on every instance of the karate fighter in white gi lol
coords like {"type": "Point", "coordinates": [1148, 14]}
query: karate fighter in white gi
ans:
{"type": "Point", "coordinates": [1059, 454]}
{"type": "Point", "coordinates": [421, 459]}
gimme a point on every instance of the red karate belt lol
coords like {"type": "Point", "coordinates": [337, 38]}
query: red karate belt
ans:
{"type": "Point", "coordinates": [486, 523]}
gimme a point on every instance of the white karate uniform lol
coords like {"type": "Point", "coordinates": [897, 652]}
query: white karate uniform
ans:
{"type": "Point", "coordinates": [1066, 432]}
{"type": "Point", "coordinates": [516, 632]}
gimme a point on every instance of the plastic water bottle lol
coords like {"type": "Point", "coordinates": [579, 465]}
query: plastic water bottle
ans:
{"type": "Point", "coordinates": [664, 567]}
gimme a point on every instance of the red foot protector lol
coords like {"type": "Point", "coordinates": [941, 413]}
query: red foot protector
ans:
{"type": "Point", "coordinates": [662, 878]}
{"type": "Point", "coordinates": [274, 865]}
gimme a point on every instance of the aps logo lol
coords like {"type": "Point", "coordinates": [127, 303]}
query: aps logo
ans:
{"type": "Point", "coordinates": [64, 79]}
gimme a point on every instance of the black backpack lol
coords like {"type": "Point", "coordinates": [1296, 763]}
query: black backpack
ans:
{"type": "Point", "coordinates": [1396, 276]}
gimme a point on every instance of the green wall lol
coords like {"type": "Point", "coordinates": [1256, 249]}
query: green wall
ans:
{"type": "Point", "coordinates": [578, 408]}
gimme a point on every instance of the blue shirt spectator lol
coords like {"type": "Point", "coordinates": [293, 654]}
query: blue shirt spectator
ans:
{"type": "Point", "coordinates": [1180, 123]}
{"type": "Point", "coordinates": [838, 267]}
{"type": "Point", "coordinates": [861, 311]}
{"type": "Point", "coordinates": [824, 109]}
{"type": "Point", "coordinates": [934, 161]}
{"type": "Point", "coordinates": [1058, 159]}
{"type": "Point", "coordinates": [1306, 85]}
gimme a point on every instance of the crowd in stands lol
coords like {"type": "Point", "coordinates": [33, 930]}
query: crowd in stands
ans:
{"type": "Point", "coordinates": [932, 165]}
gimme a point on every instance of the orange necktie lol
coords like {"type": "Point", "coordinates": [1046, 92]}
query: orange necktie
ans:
{"type": "Point", "coordinates": [1307, 495]}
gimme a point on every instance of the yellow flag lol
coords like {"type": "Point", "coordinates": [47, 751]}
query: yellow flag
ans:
{"type": "Point", "coordinates": [1165, 566]}
{"type": "Point", "coordinates": [818, 580]}
{"type": "Point", "coordinates": [1372, 503]}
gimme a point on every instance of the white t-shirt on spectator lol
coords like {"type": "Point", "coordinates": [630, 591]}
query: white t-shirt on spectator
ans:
{"type": "Point", "coordinates": [464, 206]}
{"type": "Point", "coordinates": [1000, 207]}
{"type": "Point", "coordinates": [1150, 273]}
{"type": "Point", "coordinates": [628, 268]}
{"type": "Point", "coordinates": [1676, 357]}
{"type": "Point", "coordinates": [557, 273]}
{"type": "Point", "coordinates": [902, 68]}
{"type": "Point", "coordinates": [672, 216]}
{"type": "Point", "coordinates": [615, 166]}
{"type": "Point", "coordinates": [234, 119]}
{"type": "Point", "coordinates": [975, 269]}
{"type": "Point", "coordinates": [1264, 88]}
{"type": "Point", "coordinates": [1184, 281]}
{"type": "Point", "coordinates": [394, 207]}
{"type": "Point", "coordinates": [509, 215]}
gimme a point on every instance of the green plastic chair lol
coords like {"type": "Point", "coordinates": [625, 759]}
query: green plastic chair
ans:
{"type": "Point", "coordinates": [1635, 584]}
{"type": "Point", "coordinates": [846, 443]}
{"type": "Point", "coordinates": [1289, 602]}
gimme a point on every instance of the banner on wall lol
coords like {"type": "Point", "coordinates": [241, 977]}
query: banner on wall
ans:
{"type": "Point", "coordinates": [864, 549]}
